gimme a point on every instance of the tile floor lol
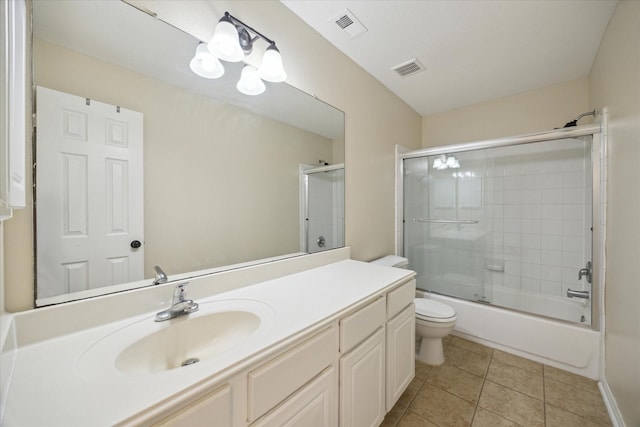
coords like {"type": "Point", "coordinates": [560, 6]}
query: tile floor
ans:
{"type": "Point", "coordinates": [482, 387]}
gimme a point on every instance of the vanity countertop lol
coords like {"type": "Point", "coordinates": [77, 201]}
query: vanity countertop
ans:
{"type": "Point", "coordinates": [48, 387]}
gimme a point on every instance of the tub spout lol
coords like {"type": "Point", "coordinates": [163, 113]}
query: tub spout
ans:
{"type": "Point", "coordinates": [578, 294]}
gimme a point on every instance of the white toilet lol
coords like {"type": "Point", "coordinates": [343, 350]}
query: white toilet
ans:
{"type": "Point", "coordinates": [434, 320]}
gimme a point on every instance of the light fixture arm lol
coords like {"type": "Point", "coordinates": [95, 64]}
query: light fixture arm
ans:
{"type": "Point", "coordinates": [242, 26]}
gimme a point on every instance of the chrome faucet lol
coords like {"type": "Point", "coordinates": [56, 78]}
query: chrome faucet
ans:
{"type": "Point", "coordinates": [180, 305]}
{"type": "Point", "coordinates": [160, 276]}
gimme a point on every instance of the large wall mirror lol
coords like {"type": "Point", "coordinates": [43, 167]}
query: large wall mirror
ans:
{"type": "Point", "coordinates": [221, 178]}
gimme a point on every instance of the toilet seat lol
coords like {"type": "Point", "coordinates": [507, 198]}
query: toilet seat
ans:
{"type": "Point", "coordinates": [433, 311]}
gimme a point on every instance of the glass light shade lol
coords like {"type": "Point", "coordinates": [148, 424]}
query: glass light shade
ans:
{"type": "Point", "coordinates": [271, 68]}
{"type": "Point", "coordinates": [250, 83]}
{"type": "Point", "coordinates": [225, 43]}
{"type": "Point", "coordinates": [205, 64]}
{"type": "Point", "coordinates": [452, 162]}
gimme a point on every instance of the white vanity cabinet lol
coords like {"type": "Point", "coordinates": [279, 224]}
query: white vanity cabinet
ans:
{"type": "Point", "coordinates": [360, 363]}
{"type": "Point", "coordinates": [400, 346]}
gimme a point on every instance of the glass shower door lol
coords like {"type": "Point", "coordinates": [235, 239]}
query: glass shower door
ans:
{"type": "Point", "coordinates": [447, 237]}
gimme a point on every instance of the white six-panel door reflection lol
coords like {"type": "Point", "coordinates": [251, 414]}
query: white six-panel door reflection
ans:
{"type": "Point", "coordinates": [89, 194]}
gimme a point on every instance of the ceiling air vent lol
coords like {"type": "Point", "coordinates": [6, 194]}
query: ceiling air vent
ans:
{"type": "Point", "coordinates": [408, 68]}
{"type": "Point", "coordinates": [348, 23]}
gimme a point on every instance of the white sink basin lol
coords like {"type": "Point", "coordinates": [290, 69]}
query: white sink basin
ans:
{"type": "Point", "coordinates": [145, 347]}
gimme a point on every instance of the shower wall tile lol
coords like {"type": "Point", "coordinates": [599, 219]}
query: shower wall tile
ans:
{"type": "Point", "coordinates": [551, 242]}
{"type": "Point", "coordinates": [552, 195]}
{"type": "Point", "coordinates": [543, 216]}
{"type": "Point", "coordinates": [551, 288]}
{"type": "Point", "coordinates": [531, 241]}
{"type": "Point", "coordinates": [513, 211]}
{"type": "Point", "coordinates": [573, 195]}
{"type": "Point", "coordinates": [551, 258]}
{"type": "Point", "coordinates": [513, 183]}
{"type": "Point", "coordinates": [513, 197]}
{"type": "Point", "coordinates": [532, 211]}
{"type": "Point", "coordinates": [530, 285]}
{"type": "Point", "coordinates": [529, 270]}
{"type": "Point", "coordinates": [552, 226]}
{"type": "Point", "coordinates": [551, 273]}
{"type": "Point", "coordinates": [573, 260]}
{"type": "Point", "coordinates": [532, 197]}
{"type": "Point", "coordinates": [531, 256]}
{"type": "Point", "coordinates": [512, 282]}
{"type": "Point", "coordinates": [532, 225]}
{"type": "Point", "coordinates": [512, 225]}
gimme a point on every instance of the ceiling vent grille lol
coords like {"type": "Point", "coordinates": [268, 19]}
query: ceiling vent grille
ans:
{"type": "Point", "coordinates": [349, 24]}
{"type": "Point", "coordinates": [408, 68]}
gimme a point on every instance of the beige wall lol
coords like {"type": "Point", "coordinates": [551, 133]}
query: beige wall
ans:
{"type": "Point", "coordinates": [527, 112]}
{"type": "Point", "coordinates": [376, 120]}
{"type": "Point", "coordinates": [615, 83]}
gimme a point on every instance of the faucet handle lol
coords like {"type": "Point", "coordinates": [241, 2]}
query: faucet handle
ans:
{"type": "Point", "coordinates": [180, 293]}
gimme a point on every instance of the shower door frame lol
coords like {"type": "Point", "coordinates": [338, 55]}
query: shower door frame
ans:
{"type": "Point", "coordinates": [598, 159]}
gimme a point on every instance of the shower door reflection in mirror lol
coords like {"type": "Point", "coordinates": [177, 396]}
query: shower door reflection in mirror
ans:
{"type": "Point", "coordinates": [322, 210]}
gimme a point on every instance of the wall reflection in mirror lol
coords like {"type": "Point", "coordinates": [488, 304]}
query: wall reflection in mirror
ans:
{"type": "Point", "coordinates": [221, 175]}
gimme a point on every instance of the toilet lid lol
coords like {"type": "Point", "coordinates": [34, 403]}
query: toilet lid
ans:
{"type": "Point", "coordinates": [430, 309]}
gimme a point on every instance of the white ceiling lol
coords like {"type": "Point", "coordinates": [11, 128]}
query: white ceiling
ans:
{"type": "Point", "coordinates": [473, 51]}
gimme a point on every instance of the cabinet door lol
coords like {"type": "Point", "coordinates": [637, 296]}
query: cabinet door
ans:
{"type": "Point", "coordinates": [315, 405]}
{"type": "Point", "coordinates": [362, 396]}
{"type": "Point", "coordinates": [400, 354]}
{"type": "Point", "coordinates": [214, 409]}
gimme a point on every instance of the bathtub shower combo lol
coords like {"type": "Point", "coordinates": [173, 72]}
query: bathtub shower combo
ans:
{"type": "Point", "coordinates": [510, 224]}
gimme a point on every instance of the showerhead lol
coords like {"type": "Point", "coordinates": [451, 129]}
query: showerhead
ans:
{"type": "Point", "coordinates": [575, 122]}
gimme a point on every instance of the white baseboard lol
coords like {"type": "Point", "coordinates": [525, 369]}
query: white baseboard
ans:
{"type": "Point", "coordinates": [610, 403]}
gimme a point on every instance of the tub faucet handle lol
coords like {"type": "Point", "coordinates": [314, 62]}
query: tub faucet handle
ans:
{"type": "Point", "coordinates": [586, 272]}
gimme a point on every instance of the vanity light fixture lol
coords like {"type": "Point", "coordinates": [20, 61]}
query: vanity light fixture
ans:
{"type": "Point", "coordinates": [232, 41]}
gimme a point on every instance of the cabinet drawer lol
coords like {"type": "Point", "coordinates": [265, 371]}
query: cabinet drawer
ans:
{"type": "Point", "coordinates": [400, 297]}
{"type": "Point", "coordinates": [212, 409]}
{"type": "Point", "coordinates": [276, 380]}
{"type": "Point", "coordinates": [356, 327]}
{"type": "Point", "coordinates": [316, 404]}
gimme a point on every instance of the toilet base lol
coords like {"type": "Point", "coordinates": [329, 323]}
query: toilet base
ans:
{"type": "Point", "coordinates": [430, 351]}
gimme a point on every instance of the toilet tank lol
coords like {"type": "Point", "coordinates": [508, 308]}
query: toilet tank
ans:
{"type": "Point", "coordinates": [392, 261]}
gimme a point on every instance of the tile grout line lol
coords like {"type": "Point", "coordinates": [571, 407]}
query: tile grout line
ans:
{"type": "Point", "coordinates": [484, 380]}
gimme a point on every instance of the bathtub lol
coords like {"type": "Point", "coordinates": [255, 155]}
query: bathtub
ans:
{"type": "Point", "coordinates": [572, 347]}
